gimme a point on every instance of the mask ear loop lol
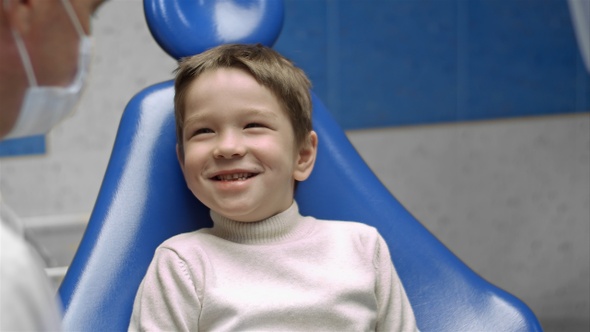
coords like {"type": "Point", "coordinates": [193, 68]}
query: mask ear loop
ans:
{"type": "Point", "coordinates": [73, 17]}
{"type": "Point", "coordinates": [24, 55]}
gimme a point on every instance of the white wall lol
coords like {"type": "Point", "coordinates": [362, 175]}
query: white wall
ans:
{"type": "Point", "coordinates": [511, 198]}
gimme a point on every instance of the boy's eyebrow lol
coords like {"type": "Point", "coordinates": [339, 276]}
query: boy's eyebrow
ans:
{"type": "Point", "coordinates": [196, 117]}
{"type": "Point", "coordinates": [261, 112]}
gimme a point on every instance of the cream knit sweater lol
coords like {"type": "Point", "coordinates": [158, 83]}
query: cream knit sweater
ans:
{"type": "Point", "coordinates": [285, 273]}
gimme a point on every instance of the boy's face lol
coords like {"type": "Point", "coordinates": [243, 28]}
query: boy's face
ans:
{"type": "Point", "coordinates": [240, 155]}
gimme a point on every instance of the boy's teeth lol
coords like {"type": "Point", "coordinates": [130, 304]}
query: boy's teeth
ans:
{"type": "Point", "coordinates": [233, 177]}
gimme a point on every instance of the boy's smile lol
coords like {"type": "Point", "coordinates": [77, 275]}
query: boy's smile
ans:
{"type": "Point", "coordinates": [240, 156]}
{"type": "Point", "coordinates": [233, 176]}
{"type": "Point", "coordinates": [232, 179]}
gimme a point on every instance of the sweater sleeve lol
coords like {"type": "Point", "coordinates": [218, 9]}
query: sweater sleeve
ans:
{"type": "Point", "coordinates": [394, 310]}
{"type": "Point", "coordinates": [167, 298]}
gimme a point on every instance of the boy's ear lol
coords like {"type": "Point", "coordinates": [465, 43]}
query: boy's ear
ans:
{"type": "Point", "coordinates": [306, 157]}
{"type": "Point", "coordinates": [180, 157]}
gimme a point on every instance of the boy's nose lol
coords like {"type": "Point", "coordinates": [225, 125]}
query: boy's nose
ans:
{"type": "Point", "coordinates": [229, 146]}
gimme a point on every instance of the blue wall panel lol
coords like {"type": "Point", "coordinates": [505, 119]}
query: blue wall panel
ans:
{"type": "Point", "coordinates": [22, 146]}
{"type": "Point", "coordinates": [404, 62]}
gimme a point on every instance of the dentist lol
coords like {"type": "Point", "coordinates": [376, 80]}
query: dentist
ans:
{"type": "Point", "coordinates": [44, 57]}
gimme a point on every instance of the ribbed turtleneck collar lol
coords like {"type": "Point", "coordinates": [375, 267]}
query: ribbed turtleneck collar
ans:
{"type": "Point", "coordinates": [285, 226]}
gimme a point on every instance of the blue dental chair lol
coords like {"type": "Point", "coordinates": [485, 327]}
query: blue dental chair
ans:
{"type": "Point", "coordinates": [144, 200]}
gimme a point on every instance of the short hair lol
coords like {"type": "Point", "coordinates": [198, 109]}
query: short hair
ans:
{"type": "Point", "coordinates": [287, 82]}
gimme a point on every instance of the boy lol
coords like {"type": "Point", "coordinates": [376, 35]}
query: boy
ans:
{"type": "Point", "coordinates": [244, 138]}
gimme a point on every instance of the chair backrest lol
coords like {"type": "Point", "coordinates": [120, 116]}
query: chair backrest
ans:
{"type": "Point", "coordinates": [144, 200]}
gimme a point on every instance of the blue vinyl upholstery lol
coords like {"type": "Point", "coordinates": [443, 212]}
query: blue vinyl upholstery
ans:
{"type": "Point", "coordinates": [144, 200]}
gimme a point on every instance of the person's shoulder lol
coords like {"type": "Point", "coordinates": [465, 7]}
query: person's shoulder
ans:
{"type": "Point", "coordinates": [354, 237]}
{"type": "Point", "coordinates": [185, 241]}
{"type": "Point", "coordinates": [14, 248]}
{"type": "Point", "coordinates": [350, 229]}
{"type": "Point", "coordinates": [348, 225]}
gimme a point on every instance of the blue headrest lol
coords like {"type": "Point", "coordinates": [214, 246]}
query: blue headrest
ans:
{"type": "Point", "coordinates": [212, 23]}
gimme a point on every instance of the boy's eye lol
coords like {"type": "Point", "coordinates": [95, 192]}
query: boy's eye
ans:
{"type": "Point", "coordinates": [202, 131]}
{"type": "Point", "coordinates": [254, 125]}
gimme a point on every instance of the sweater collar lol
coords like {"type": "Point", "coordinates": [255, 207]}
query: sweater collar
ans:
{"type": "Point", "coordinates": [285, 226]}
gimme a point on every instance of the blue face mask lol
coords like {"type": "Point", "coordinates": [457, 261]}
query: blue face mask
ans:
{"type": "Point", "coordinates": [44, 107]}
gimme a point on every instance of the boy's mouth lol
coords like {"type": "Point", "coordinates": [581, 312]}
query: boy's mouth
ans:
{"type": "Point", "coordinates": [233, 177]}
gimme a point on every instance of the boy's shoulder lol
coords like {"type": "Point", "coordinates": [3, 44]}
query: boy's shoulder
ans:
{"type": "Point", "coordinates": [186, 240]}
{"type": "Point", "coordinates": [348, 225]}
{"type": "Point", "coordinates": [350, 229]}
{"type": "Point", "coordinates": [351, 237]}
